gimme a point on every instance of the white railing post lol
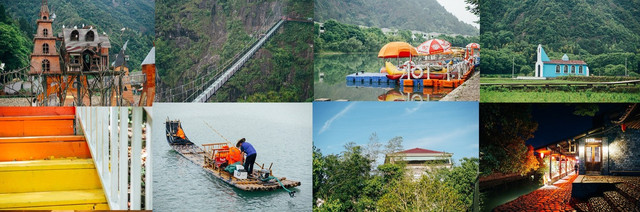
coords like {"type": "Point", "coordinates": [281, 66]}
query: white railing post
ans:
{"type": "Point", "coordinates": [113, 191]}
{"type": "Point", "coordinates": [148, 188]}
{"type": "Point", "coordinates": [124, 160]}
{"type": "Point", "coordinates": [136, 149]}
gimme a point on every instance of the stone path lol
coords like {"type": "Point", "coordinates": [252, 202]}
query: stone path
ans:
{"type": "Point", "coordinates": [547, 198]}
{"type": "Point", "coordinates": [468, 91]}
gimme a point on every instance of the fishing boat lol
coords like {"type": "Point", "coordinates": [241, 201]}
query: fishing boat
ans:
{"type": "Point", "coordinates": [223, 162]}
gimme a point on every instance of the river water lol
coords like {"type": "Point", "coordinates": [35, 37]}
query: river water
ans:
{"type": "Point", "coordinates": [280, 132]}
{"type": "Point", "coordinates": [330, 73]}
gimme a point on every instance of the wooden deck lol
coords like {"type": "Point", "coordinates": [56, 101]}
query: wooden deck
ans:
{"type": "Point", "coordinates": [196, 155]}
{"type": "Point", "coordinates": [565, 84]}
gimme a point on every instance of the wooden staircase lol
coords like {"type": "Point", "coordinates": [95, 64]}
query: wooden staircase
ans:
{"type": "Point", "coordinates": [43, 164]}
{"type": "Point", "coordinates": [625, 197]}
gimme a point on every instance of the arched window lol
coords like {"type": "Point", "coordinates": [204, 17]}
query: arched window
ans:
{"type": "Point", "coordinates": [573, 69]}
{"type": "Point", "coordinates": [45, 32]}
{"type": "Point", "coordinates": [74, 35]}
{"type": "Point", "coordinates": [580, 69]}
{"type": "Point", "coordinates": [557, 69]}
{"type": "Point", "coordinates": [46, 66]}
{"type": "Point", "coordinates": [45, 48]}
{"type": "Point", "coordinates": [566, 69]}
{"type": "Point", "coordinates": [44, 17]}
{"type": "Point", "coordinates": [89, 36]}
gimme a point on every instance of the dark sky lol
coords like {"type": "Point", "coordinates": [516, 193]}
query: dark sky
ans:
{"type": "Point", "coordinates": [557, 121]}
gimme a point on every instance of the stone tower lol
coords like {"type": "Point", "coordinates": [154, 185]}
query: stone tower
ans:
{"type": "Point", "coordinates": [45, 57]}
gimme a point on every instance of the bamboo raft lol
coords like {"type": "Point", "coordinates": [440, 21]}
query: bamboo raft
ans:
{"type": "Point", "coordinates": [203, 158]}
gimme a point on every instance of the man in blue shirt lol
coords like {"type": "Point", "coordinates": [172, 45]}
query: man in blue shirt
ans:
{"type": "Point", "coordinates": [248, 149]}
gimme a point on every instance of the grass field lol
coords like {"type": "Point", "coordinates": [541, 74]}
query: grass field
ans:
{"type": "Point", "coordinates": [621, 93]}
{"type": "Point", "coordinates": [556, 96]}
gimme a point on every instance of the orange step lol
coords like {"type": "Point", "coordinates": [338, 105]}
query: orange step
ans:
{"type": "Point", "coordinates": [36, 125]}
{"type": "Point", "coordinates": [43, 147]}
{"type": "Point", "coordinates": [36, 111]}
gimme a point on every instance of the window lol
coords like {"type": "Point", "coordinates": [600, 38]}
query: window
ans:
{"type": "Point", "coordinates": [44, 17]}
{"type": "Point", "coordinates": [75, 59]}
{"type": "Point", "coordinates": [46, 66]}
{"type": "Point", "coordinates": [573, 69]}
{"type": "Point", "coordinates": [45, 32]}
{"type": "Point", "coordinates": [557, 69]}
{"type": "Point", "coordinates": [90, 36]}
{"type": "Point", "coordinates": [588, 154]}
{"type": "Point", "coordinates": [580, 70]}
{"type": "Point", "coordinates": [566, 69]}
{"type": "Point", "coordinates": [74, 35]}
{"type": "Point", "coordinates": [597, 154]}
{"type": "Point", "coordinates": [45, 48]}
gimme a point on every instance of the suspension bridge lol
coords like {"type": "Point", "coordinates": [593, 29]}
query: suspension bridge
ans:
{"type": "Point", "coordinates": [204, 87]}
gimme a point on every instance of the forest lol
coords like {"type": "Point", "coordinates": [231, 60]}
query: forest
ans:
{"type": "Point", "coordinates": [347, 38]}
{"type": "Point", "coordinates": [200, 38]}
{"type": "Point", "coordinates": [605, 34]}
{"type": "Point", "coordinates": [421, 15]}
{"type": "Point", "coordinates": [352, 181]}
{"type": "Point", "coordinates": [15, 43]}
{"type": "Point", "coordinates": [108, 16]}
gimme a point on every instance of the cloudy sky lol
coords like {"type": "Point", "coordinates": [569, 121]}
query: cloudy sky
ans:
{"type": "Point", "coordinates": [457, 8]}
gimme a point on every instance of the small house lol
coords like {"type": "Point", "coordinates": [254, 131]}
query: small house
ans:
{"type": "Point", "coordinates": [546, 67]}
{"type": "Point", "coordinates": [418, 160]}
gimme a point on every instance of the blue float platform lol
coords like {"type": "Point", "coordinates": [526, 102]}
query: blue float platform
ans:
{"type": "Point", "coordinates": [370, 80]}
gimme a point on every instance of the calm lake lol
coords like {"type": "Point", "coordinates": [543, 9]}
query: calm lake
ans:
{"type": "Point", "coordinates": [280, 132]}
{"type": "Point", "coordinates": [330, 73]}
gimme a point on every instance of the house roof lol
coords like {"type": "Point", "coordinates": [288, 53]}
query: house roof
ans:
{"type": "Point", "coordinates": [631, 117]}
{"type": "Point", "coordinates": [420, 150]}
{"type": "Point", "coordinates": [568, 62]}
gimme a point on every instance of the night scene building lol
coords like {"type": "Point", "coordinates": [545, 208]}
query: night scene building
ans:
{"type": "Point", "coordinates": [418, 160]}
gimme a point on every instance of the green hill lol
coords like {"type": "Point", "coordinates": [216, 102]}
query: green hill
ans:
{"type": "Point", "coordinates": [108, 16]}
{"type": "Point", "coordinates": [421, 15]}
{"type": "Point", "coordinates": [198, 38]}
{"type": "Point", "coordinates": [601, 32]}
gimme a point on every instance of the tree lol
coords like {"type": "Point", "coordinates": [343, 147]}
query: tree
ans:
{"type": "Point", "coordinates": [394, 145]}
{"type": "Point", "coordinates": [473, 7]}
{"type": "Point", "coordinates": [14, 47]}
{"type": "Point", "coordinates": [504, 129]}
{"type": "Point", "coordinates": [373, 147]}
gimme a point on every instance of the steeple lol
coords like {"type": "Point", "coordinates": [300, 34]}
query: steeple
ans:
{"type": "Point", "coordinates": [44, 10]}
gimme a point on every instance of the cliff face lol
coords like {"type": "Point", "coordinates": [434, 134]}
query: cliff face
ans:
{"type": "Point", "coordinates": [203, 35]}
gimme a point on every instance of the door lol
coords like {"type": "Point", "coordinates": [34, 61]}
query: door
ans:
{"type": "Point", "coordinates": [593, 157]}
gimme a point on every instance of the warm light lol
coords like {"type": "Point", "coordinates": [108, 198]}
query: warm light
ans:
{"type": "Point", "coordinates": [542, 155]}
{"type": "Point", "coordinates": [577, 158]}
{"type": "Point", "coordinates": [592, 140]}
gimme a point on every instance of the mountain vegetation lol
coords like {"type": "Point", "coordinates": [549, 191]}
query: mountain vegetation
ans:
{"type": "Point", "coordinates": [198, 39]}
{"type": "Point", "coordinates": [602, 33]}
{"type": "Point", "coordinates": [15, 44]}
{"type": "Point", "coordinates": [108, 16]}
{"type": "Point", "coordinates": [421, 15]}
{"type": "Point", "coordinates": [348, 38]}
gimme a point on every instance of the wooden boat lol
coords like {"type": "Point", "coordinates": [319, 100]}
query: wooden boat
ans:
{"type": "Point", "coordinates": [205, 158]}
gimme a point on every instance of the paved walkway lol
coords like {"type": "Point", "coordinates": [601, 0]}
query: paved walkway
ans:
{"type": "Point", "coordinates": [547, 198]}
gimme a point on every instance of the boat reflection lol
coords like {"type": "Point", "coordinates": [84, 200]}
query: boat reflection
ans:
{"type": "Point", "coordinates": [415, 94]}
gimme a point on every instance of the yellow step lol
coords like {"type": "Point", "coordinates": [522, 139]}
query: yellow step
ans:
{"type": "Point", "coordinates": [48, 175]}
{"type": "Point", "coordinates": [54, 200]}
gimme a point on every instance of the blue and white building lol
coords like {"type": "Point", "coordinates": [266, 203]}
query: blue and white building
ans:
{"type": "Point", "coordinates": [546, 67]}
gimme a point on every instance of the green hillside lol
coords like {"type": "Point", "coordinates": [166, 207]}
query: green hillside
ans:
{"type": "Point", "coordinates": [421, 15]}
{"type": "Point", "coordinates": [601, 32]}
{"type": "Point", "coordinates": [108, 16]}
{"type": "Point", "coordinates": [198, 38]}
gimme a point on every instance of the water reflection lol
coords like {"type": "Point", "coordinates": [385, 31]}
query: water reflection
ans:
{"type": "Point", "coordinates": [330, 72]}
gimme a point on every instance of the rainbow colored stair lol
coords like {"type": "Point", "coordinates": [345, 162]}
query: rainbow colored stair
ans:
{"type": "Point", "coordinates": [43, 164]}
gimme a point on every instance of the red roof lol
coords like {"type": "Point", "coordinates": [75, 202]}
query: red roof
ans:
{"type": "Point", "coordinates": [570, 62]}
{"type": "Point", "coordinates": [420, 150]}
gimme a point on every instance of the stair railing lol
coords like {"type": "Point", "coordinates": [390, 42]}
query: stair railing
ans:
{"type": "Point", "coordinates": [106, 130]}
